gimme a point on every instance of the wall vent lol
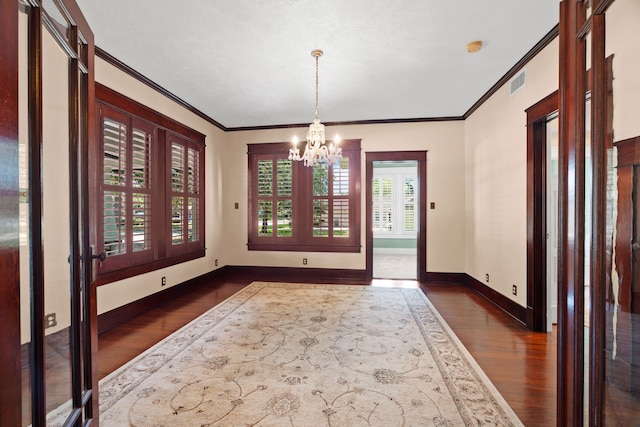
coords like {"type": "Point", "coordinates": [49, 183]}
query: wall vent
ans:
{"type": "Point", "coordinates": [518, 81]}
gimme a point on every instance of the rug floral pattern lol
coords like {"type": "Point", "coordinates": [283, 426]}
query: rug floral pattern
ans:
{"type": "Point", "coordinates": [282, 354]}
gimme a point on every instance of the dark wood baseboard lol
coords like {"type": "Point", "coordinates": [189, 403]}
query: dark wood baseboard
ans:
{"type": "Point", "coordinates": [507, 305]}
{"type": "Point", "coordinates": [112, 318]}
{"type": "Point", "coordinates": [436, 277]}
{"type": "Point", "coordinates": [290, 274]}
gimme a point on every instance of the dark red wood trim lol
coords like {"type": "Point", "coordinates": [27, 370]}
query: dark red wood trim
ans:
{"type": "Point", "coordinates": [436, 277]}
{"type": "Point", "coordinates": [505, 304]}
{"type": "Point", "coordinates": [114, 276]}
{"type": "Point", "coordinates": [136, 75]}
{"type": "Point", "coordinates": [304, 248]}
{"type": "Point", "coordinates": [115, 317]}
{"type": "Point", "coordinates": [548, 38]}
{"type": "Point", "coordinates": [536, 211]}
{"type": "Point", "coordinates": [290, 274]}
{"type": "Point", "coordinates": [627, 153]}
{"type": "Point", "coordinates": [350, 123]}
{"type": "Point", "coordinates": [36, 249]}
{"type": "Point", "coordinates": [129, 106]}
{"type": "Point", "coordinates": [598, 273]}
{"type": "Point", "coordinates": [10, 391]}
{"type": "Point", "coordinates": [571, 203]}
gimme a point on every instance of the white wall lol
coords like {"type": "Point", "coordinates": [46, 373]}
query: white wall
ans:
{"type": "Point", "coordinates": [444, 142]}
{"type": "Point", "coordinates": [495, 183]}
{"type": "Point", "coordinates": [116, 294]}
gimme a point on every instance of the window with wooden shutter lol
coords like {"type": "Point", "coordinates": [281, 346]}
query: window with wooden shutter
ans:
{"type": "Point", "coordinates": [184, 192]}
{"type": "Point", "coordinates": [297, 208]}
{"type": "Point", "coordinates": [126, 189]}
{"type": "Point", "coordinates": [149, 209]}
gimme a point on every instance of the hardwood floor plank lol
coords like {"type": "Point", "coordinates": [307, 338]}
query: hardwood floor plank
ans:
{"type": "Point", "coordinates": [520, 363]}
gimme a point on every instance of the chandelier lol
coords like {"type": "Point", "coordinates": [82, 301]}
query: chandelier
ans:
{"type": "Point", "coordinates": [316, 150]}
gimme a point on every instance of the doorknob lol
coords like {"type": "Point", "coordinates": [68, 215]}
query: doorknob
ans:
{"type": "Point", "coordinates": [635, 246]}
{"type": "Point", "coordinates": [102, 256]}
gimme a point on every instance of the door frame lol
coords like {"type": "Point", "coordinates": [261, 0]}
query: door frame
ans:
{"type": "Point", "coordinates": [421, 158]}
{"type": "Point", "coordinates": [536, 311]}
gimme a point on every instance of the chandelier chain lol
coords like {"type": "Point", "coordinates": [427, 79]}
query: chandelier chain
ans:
{"type": "Point", "coordinates": [317, 56]}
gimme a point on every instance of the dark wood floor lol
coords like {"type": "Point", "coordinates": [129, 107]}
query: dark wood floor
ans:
{"type": "Point", "coordinates": [521, 364]}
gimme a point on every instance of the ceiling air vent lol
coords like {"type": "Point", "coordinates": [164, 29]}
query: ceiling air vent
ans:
{"type": "Point", "coordinates": [518, 81]}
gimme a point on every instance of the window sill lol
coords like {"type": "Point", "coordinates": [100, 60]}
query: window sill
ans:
{"type": "Point", "coordinates": [304, 248]}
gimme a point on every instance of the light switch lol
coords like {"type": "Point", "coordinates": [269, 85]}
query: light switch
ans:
{"type": "Point", "coordinates": [433, 205]}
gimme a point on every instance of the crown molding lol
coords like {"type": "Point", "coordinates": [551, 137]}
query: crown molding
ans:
{"type": "Point", "coordinates": [546, 40]}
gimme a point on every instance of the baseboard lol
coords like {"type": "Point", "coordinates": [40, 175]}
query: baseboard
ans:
{"type": "Point", "coordinates": [507, 305]}
{"type": "Point", "coordinates": [290, 273]}
{"type": "Point", "coordinates": [435, 277]}
{"type": "Point", "coordinates": [115, 317]}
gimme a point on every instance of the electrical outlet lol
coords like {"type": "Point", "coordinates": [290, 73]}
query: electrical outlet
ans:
{"type": "Point", "coordinates": [216, 262]}
{"type": "Point", "coordinates": [304, 261]}
{"type": "Point", "coordinates": [486, 277]}
{"type": "Point", "coordinates": [50, 320]}
{"type": "Point", "coordinates": [514, 290]}
{"type": "Point", "coordinates": [164, 280]}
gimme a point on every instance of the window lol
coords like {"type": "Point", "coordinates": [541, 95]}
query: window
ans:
{"type": "Point", "coordinates": [297, 208]}
{"type": "Point", "coordinates": [394, 199]}
{"type": "Point", "coordinates": [150, 207]}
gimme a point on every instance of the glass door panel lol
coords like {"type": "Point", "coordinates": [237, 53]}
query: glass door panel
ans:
{"type": "Point", "coordinates": [55, 222]}
{"type": "Point", "coordinates": [621, 352]}
{"type": "Point", "coordinates": [23, 136]}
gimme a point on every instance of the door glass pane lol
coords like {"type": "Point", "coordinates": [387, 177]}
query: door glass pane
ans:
{"type": "Point", "coordinates": [55, 223]}
{"type": "Point", "coordinates": [57, 18]}
{"type": "Point", "coordinates": [622, 293]}
{"type": "Point", "coordinates": [23, 133]}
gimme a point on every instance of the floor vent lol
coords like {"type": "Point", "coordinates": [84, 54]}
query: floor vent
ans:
{"type": "Point", "coordinates": [518, 81]}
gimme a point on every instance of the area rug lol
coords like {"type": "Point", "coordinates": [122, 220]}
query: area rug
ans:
{"type": "Point", "coordinates": [284, 354]}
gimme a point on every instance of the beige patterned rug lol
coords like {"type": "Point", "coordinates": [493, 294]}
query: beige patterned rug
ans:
{"type": "Point", "coordinates": [283, 354]}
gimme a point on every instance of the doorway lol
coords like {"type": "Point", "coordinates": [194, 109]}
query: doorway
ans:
{"type": "Point", "coordinates": [542, 214]}
{"type": "Point", "coordinates": [395, 221]}
{"type": "Point", "coordinates": [396, 215]}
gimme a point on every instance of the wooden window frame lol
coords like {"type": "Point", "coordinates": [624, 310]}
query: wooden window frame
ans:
{"type": "Point", "coordinates": [302, 239]}
{"type": "Point", "coordinates": [164, 131]}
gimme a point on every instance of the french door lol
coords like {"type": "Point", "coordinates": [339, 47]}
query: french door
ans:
{"type": "Point", "coordinates": [58, 305]}
{"type": "Point", "coordinates": [599, 249]}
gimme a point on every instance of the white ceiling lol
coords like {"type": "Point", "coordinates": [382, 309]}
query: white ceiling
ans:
{"type": "Point", "coordinates": [248, 62]}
